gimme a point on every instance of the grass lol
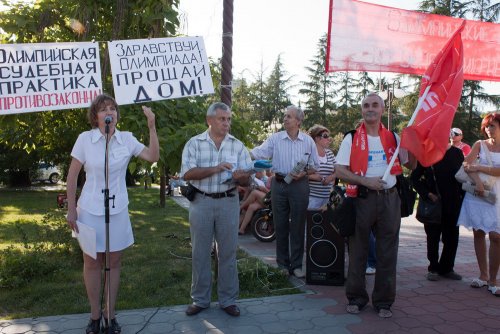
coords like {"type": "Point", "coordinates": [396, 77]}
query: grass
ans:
{"type": "Point", "coordinates": [41, 265]}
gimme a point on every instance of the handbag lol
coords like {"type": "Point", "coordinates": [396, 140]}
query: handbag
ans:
{"type": "Point", "coordinates": [488, 180]}
{"type": "Point", "coordinates": [407, 195]}
{"type": "Point", "coordinates": [341, 212]}
{"type": "Point", "coordinates": [188, 191]}
{"type": "Point", "coordinates": [428, 211]}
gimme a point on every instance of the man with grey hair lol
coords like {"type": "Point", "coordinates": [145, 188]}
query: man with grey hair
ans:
{"type": "Point", "coordinates": [362, 160]}
{"type": "Point", "coordinates": [208, 160]}
{"type": "Point", "coordinates": [289, 199]}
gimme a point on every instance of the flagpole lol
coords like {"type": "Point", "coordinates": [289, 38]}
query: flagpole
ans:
{"type": "Point", "coordinates": [412, 119]}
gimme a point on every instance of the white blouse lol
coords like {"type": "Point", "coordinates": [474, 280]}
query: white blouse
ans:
{"type": "Point", "coordinates": [89, 149]}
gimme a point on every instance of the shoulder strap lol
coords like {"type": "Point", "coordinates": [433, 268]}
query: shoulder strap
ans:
{"type": "Point", "coordinates": [486, 153]}
{"type": "Point", "coordinates": [435, 181]}
{"type": "Point", "coordinates": [352, 132]}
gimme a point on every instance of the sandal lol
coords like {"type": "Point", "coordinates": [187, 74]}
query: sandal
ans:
{"type": "Point", "coordinates": [113, 328]}
{"type": "Point", "coordinates": [478, 283]}
{"type": "Point", "coordinates": [494, 289]}
{"type": "Point", "coordinates": [93, 326]}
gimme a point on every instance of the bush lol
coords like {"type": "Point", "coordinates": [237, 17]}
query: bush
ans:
{"type": "Point", "coordinates": [40, 257]}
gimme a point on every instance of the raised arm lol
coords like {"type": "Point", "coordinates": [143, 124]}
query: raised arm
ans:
{"type": "Point", "coordinates": [151, 153]}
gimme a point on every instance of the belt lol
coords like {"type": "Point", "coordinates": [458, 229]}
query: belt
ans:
{"type": "Point", "coordinates": [383, 191]}
{"type": "Point", "coordinates": [228, 193]}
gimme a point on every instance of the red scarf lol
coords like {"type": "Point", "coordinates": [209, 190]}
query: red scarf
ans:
{"type": "Point", "coordinates": [359, 154]}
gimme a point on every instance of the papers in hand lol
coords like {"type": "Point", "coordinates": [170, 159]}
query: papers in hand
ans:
{"type": "Point", "coordinates": [258, 166]}
{"type": "Point", "coordinates": [87, 239]}
{"type": "Point", "coordinates": [488, 196]}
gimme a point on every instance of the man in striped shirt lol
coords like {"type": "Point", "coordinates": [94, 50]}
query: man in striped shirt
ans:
{"type": "Point", "coordinates": [209, 159]}
{"type": "Point", "coordinates": [289, 200]}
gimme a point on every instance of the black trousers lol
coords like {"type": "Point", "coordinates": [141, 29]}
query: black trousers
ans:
{"type": "Point", "coordinates": [447, 232]}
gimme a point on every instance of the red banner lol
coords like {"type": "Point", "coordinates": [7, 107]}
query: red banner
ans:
{"type": "Point", "coordinates": [368, 37]}
{"type": "Point", "coordinates": [428, 137]}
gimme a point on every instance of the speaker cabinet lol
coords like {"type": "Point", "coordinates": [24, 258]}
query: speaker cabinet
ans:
{"type": "Point", "coordinates": [325, 251]}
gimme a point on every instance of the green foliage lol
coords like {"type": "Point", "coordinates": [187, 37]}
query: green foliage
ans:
{"type": "Point", "coordinates": [51, 134]}
{"type": "Point", "coordinates": [255, 276]}
{"type": "Point", "coordinates": [319, 89]}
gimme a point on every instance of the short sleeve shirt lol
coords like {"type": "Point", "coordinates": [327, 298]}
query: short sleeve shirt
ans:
{"type": "Point", "coordinates": [89, 150]}
{"type": "Point", "coordinates": [377, 160]}
{"type": "Point", "coordinates": [201, 151]}
{"type": "Point", "coordinates": [286, 153]}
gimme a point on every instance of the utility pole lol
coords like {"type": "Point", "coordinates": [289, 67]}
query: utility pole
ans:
{"type": "Point", "coordinates": [227, 53]}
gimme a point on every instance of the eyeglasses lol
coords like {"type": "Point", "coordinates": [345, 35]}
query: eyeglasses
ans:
{"type": "Point", "coordinates": [325, 135]}
{"type": "Point", "coordinates": [456, 134]}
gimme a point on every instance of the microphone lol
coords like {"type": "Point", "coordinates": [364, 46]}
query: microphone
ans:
{"type": "Point", "coordinates": [108, 119]}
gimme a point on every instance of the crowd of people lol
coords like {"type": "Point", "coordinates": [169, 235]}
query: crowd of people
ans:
{"type": "Point", "coordinates": [304, 170]}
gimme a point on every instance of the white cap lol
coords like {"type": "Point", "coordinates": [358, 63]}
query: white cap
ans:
{"type": "Point", "coordinates": [457, 131]}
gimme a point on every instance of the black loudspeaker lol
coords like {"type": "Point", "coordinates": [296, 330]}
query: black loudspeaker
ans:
{"type": "Point", "coordinates": [325, 251]}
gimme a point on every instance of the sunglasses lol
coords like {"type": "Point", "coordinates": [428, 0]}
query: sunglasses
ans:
{"type": "Point", "coordinates": [325, 135]}
{"type": "Point", "coordinates": [456, 134]}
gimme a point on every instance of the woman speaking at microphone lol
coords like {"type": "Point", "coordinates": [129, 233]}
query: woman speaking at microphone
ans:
{"type": "Point", "coordinates": [89, 151]}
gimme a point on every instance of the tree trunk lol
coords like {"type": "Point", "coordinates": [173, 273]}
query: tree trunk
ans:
{"type": "Point", "coordinates": [163, 186]}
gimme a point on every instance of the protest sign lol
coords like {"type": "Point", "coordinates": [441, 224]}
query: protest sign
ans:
{"type": "Point", "coordinates": [157, 69]}
{"type": "Point", "coordinates": [48, 76]}
{"type": "Point", "coordinates": [368, 37]}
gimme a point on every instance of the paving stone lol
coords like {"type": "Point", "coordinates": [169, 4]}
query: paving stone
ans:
{"type": "Point", "coordinates": [421, 307]}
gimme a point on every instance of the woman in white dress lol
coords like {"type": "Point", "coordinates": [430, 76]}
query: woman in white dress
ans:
{"type": "Point", "coordinates": [89, 152]}
{"type": "Point", "coordinates": [480, 215]}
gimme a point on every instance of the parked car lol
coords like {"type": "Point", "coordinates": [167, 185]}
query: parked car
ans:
{"type": "Point", "coordinates": [47, 172]}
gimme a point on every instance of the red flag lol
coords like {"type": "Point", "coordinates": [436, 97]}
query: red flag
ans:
{"type": "Point", "coordinates": [374, 38]}
{"type": "Point", "coordinates": [428, 137]}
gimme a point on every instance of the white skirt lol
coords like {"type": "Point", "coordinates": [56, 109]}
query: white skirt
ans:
{"type": "Point", "coordinates": [120, 229]}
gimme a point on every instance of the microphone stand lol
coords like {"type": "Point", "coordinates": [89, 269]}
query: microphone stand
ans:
{"type": "Point", "coordinates": [107, 276]}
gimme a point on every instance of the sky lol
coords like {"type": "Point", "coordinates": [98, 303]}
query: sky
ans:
{"type": "Point", "coordinates": [265, 29]}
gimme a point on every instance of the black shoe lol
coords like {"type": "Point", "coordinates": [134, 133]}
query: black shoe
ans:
{"type": "Point", "coordinates": [94, 326]}
{"type": "Point", "coordinates": [113, 328]}
{"type": "Point", "coordinates": [232, 310]}
{"type": "Point", "coordinates": [194, 309]}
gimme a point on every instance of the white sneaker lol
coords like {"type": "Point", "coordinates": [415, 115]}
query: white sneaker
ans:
{"type": "Point", "coordinates": [371, 271]}
{"type": "Point", "coordinates": [297, 272]}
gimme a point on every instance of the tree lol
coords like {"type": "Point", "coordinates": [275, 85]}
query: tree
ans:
{"type": "Point", "coordinates": [483, 10]}
{"type": "Point", "coordinates": [347, 106]}
{"type": "Point", "coordinates": [51, 134]}
{"type": "Point", "coordinates": [318, 89]}
{"type": "Point", "coordinates": [364, 84]}
{"type": "Point", "coordinates": [275, 92]}
{"type": "Point", "coordinates": [444, 7]}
